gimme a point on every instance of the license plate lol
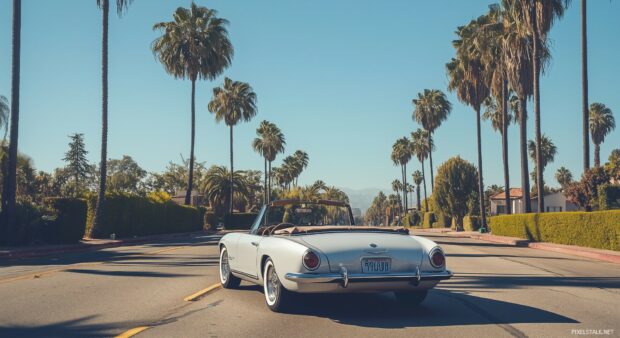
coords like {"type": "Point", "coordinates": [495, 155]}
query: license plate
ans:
{"type": "Point", "coordinates": [376, 265]}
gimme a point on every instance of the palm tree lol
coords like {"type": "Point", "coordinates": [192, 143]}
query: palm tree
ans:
{"type": "Point", "coordinates": [301, 159]}
{"type": "Point", "coordinates": [269, 143]}
{"type": "Point", "coordinates": [564, 177]}
{"type": "Point", "coordinates": [584, 87]}
{"type": "Point", "coordinates": [217, 187]}
{"type": "Point", "coordinates": [601, 124]}
{"type": "Point", "coordinates": [548, 152]}
{"type": "Point", "coordinates": [431, 109]}
{"type": "Point", "coordinates": [10, 178]}
{"type": "Point", "coordinates": [104, 5]}
{"type": "Point", "coordinates": [235, 101]}
{"type": "Point", "coordinates": [417, 179]}
{"type": "Point", "coordinates": [5, 115]}
{"type": "Point", "coordinates": [193, 46]}
{"type": "Point", "coordinates": [540, 15]}
{"type": "Point", "coordinates": [469, 78]}
{"type": "Point", "coordinates": [397, 186]}
{"type": "Point", "coordinates": [421, 149]}
{"type": "Point", "coordinates": [401, 155]}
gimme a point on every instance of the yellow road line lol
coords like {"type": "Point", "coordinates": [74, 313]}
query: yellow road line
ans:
{"type": "Point", "coordinates": [203, 292]}
{"type": "Point", "coordinates": [42, 273]}
{"type": "Point", "coordinates": [132, 332]}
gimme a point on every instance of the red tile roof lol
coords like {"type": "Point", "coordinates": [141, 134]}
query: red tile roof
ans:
{"type": "Point", "coordinates": [515, 193]}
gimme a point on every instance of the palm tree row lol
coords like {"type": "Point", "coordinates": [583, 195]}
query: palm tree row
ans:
{"type": "Point", "coordinates": [269, 143]}
{"type": "Point", "coordinates": [290, 170]}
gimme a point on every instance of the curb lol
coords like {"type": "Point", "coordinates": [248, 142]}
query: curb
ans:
{"type": "Point", "coordinates": [85, 246]}
{"type": "Point", "coordinates": [592, 253]}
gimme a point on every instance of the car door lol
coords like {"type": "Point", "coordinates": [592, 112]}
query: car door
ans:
{"type": "Point", "coordinates": [247, 249]}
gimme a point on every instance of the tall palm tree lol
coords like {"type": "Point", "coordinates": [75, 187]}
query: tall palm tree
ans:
{"type": "Point", "coordinates": [584, 87]}
{"type": "Point", "coordinates": [233, 102]}
{"type": "Point", "coordinates": [10, 178]}
{"type": "Point", "coordinates": [431, 109]}
{"type": "Point", "coordinates": [217, 186]}
{"type": "Point", "coordinates": [417, 180]}
{"type": "Point", "coordinates": [564, 177]}
{"type": "Point", "coordinates": [421, 149]}
{"type": "Point", "coordinates": [469, 78]}
{"type": "Point", "coordinates": [193, 46]}
{"type": "Point", "coordinates": [397, 186]}
{"type": "Point", "coordinates": [401, 155]}
{"type": "Point", "coordinates": [540, 16]}
{"type": "Point", "coordinates": [602, 122]}
{"type": "Point", "coordinates": [104, 5]}
{"type": "Point", "coordinates": [548, 150]}
{"type": "Point", "coordinates": [302, 159]}
{"type": "Point", "coordinates": [269, 143]}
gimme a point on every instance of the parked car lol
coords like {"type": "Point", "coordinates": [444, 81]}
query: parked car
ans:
{"type": "Point", "coordinates": [314, 247]}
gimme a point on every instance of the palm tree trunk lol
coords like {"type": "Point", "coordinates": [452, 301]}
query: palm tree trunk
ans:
{"type": "Point", "coordinates": [539, 155]}
{"type": "Point", "coordinates": [190, 180]}
{"type": "Point", "coordinates": [232, 170]}
{"type": "Point", "coordinates": [525, 179]}
{"type": "Point", "coordinates": [417, 189]}
{"type": "Point", "coordinates": [424, 180]}
{"type": "Point", "coordinates": [584, 83]}
{"type": "Point", "coordinates": [430, 158]}
{"type": "Point", "coordinates": [103, 165]}
{"type": "Point", "coordinates": [597, 155]}
{"type": "Point", "coordinates": [405, 196]}
{"type": "Point", "coordinates": [483, 218]}
{"type": "Point", "coordinates": [265, 198]}
{"type": "Point", "coordinates": [505, 147]}
{"type": "Point", "coordinates": [10, 183]}
{"type": "Point", "coordinates": [269, 185]}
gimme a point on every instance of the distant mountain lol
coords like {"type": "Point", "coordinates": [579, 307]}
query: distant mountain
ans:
{"type": "Point", "coordinates": [361, 198]}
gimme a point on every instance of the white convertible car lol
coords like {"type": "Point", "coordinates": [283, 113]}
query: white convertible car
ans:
{"type": "Point", "coordinates": [314, 247]}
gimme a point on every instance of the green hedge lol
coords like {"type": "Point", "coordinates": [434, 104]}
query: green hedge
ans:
{"type": "Point", "coordinates": [600, 229]}
{"type": "Point", "coordinates": [239, 221]}
{"type": "Point", "coordinates": [471, 223]}
{"type": "Point", "coordinates": [66, 223]}
{"type": "Point", "coordinates": [429, 219]}
{"type": "Point", "coordinates": [128, 216]}
{"type": "Point", "coordinates": [442, 221]}
{"type": "Point", "coordinates": [608, 197]}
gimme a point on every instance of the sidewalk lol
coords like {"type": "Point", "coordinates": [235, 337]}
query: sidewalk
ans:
{"type": "Point", "coordinates": [592, 253]}
{"type": "Point", "coordinates": [86, 244]}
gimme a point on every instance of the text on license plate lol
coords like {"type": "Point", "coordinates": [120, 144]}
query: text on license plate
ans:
{"type": "Point", "coordinates": [376, 265]}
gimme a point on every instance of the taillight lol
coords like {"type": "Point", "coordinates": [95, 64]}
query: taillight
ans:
{"type": "Point", "coordinates": [311, 260]}
{"type": "Point", "coordinates": [437, 258]}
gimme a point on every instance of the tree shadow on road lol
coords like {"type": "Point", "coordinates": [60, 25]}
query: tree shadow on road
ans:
{"type": "Point", "coordinates": [79, 327]}
{"type": "Point", "coordinates": [517, 282]}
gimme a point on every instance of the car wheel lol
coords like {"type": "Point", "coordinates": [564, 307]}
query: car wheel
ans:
{"type": "Point", "coordinates": [411, 298]}
{"type": "Point", "coordinates": [227, 279]}
{"type": "Point", "coordinates": [277, 296]}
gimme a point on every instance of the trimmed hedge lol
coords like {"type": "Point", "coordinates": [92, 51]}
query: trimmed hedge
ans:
{"type": "Point", "coordinates": [600, 229]}
{"type": "Point", "coordinates": [128, 216]}
{"type": "Point", "coordinates": [608, 197]}
{"type": "Point", "coordinates": [429, 219]}
{"type": "Point", "coordinates": [239, 221]}
{"type": "Point", "coordinates": [67, 222]}
{"type": "Point", "coordinates": [471, 223]}
{"type": "Point", "coordinates": [442, 221]}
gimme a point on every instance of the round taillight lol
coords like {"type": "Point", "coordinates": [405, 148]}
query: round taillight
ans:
{"type": "Point", "coordinates": [311, 260]}
{"type": "Point", "coordinates": [437, 258]}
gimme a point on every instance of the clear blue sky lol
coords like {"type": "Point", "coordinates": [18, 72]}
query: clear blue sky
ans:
{"type": "Point", "coordinates": [337, 76]}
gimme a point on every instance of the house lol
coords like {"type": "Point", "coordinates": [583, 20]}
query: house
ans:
{"type": "Point", "coordinates": [196, 198]}
{"type": "Point", "coordinates": [554, 202]}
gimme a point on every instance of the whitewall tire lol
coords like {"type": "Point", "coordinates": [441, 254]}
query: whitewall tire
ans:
{"type": "Point", "coordinates": [227, 279]}
{"type": "Point", "coordinates": [277, 296]}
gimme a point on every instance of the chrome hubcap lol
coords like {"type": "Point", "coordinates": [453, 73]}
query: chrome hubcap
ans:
{"type": "Point", "coordinates": [272, 284]}
{"type": "Point", "coordinates": [224, 268]}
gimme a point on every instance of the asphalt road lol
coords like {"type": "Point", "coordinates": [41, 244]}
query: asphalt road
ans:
{"type": "Point", "coordinates": [498, 291]}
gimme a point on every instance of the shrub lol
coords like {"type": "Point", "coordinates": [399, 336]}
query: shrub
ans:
{"type": "Point", "coordinates": [442, 221]}
{"type": "Point", "coordinates": [429, 219]}
{"type": "Point", "coordinates": [471, 223]}
{"type": "Point", "coordinates": [239, 221]}
{"type": "Point", "coordinates": [608, 197]}
{"type": "Point", "coordinates": [415, 218]}
{"type": "Point", "coordinates": [456, 184]}
{"type": "Point", "coordinates": [600, 229]}
{"type": "Point", "coordinates": [128, 216]}
{"type": "Point", "coordinates": [211, 220]}
{"type": "Point", "coordinates": [66, 220]}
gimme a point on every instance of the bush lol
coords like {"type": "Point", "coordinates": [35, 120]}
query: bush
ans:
{"type": "Point", "coordinates": [471, 223]}
{"type": "Point", "coordinates": [65, 223]}
{"type": "Point", "coordinates": [608, 197]}
{"type": "Point", "coordinates": [600, 229]}
{"type": "Point", "coordinates": [429, 219]}
{"type": "Point", "coordinates": [211, 220]}
{"type": "Point", "coordinates": [442, 221]}
{"type": "Point", "coordinates": [415, 218]}
{"type": "Point", "coordinates": [128, 216]}
{"type": "Point", "coordinates": [239, 221]}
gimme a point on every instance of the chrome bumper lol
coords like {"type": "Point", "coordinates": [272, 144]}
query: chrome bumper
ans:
{"type": "Point", "coordinates": [344, 278]}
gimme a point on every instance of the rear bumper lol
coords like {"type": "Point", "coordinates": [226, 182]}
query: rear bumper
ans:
{"type": "Point", "coordinates": [343, 279]}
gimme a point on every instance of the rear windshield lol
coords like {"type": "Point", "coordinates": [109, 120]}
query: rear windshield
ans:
{"type": "Point", "coordinates": [307, 214]}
